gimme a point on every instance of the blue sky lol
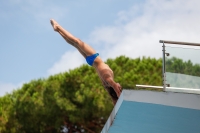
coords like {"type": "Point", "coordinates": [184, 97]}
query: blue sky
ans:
{"type": "Point", "coordinates": [30, 49]}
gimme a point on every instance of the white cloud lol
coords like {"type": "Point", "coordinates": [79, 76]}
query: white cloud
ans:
{"type": "Point", "coordinates": [6, 88]}
{"type": "Point", "coordinates": [69, 60]}
{"type": "Point", "coordinates": [137, 31]}
{"type": "Point", "coordinates": [9, 87]}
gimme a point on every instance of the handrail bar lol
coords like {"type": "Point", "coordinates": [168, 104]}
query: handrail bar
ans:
{"type": "Point", "coordinates": [172, 89]}
{"type": "Point", "coordinates": [180, 43]}
{"type": "Point", "coordinates": [149, 86]}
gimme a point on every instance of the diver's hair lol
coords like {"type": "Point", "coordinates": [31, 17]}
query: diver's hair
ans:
{"type": "Point", "coordinates": [112, 93]}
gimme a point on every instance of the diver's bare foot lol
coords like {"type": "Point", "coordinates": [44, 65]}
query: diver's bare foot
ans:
{"type": "Point", "coordinates": [54, 24]}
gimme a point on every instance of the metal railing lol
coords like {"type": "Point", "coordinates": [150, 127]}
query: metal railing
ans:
{"type": "Point", "coordinates": [179, 43]}
{"type": "Point", "coordinates": [180, 68]}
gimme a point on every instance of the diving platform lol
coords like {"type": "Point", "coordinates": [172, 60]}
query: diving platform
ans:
{"type": "Point", "coordinates": [140, 111]}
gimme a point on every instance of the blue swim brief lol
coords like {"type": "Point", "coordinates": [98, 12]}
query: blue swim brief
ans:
{"type": "Point", "coordinates": [90, 59]}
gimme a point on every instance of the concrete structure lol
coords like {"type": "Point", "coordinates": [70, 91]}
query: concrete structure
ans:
{"type": "Point", "coordinates": [139, 111]}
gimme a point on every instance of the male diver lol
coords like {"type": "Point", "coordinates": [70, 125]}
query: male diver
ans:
{"type": "Point", "coordinates": [93, 59]}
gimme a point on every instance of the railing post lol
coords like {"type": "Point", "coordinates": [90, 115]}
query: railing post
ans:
{"type": "Point", "coordinates": [164, 70]}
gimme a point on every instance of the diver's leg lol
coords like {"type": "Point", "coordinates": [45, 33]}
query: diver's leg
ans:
{"type": "Point", "coordinates": [84, 55]}
{"type": "Point", "coordinates": [85, 48]}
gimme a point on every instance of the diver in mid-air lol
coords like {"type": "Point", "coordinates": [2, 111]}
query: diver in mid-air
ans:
{"type": "Point", "coordinates": [93, 59]}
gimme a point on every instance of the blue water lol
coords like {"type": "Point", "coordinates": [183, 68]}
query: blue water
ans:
{"type": "Point", "coordinates": [136, 117]}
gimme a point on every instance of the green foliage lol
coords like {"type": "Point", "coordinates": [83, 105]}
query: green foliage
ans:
{"type": "Point", "coordinates": [176, 65]}
{"type": "Point", "coordinates": [75, 98]}
{"type": "Point", "coordinates": [129, 72]}
{"type": "Point", "coordinates": [183, 74]}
